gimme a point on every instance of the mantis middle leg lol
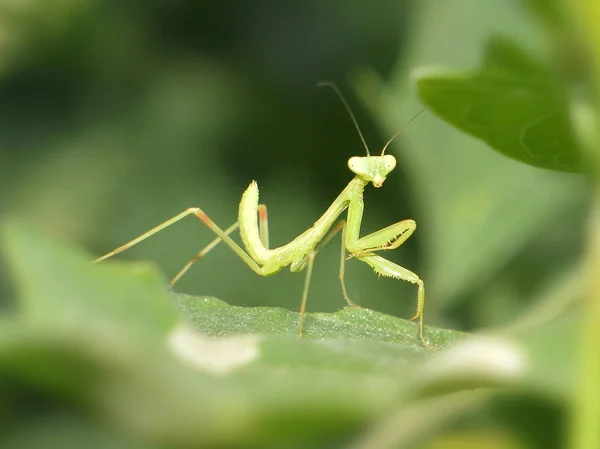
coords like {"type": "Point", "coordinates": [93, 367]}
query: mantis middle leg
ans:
{"type": "Point", "coordinates": [307, 262]}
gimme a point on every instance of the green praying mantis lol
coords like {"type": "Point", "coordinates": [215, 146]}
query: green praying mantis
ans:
{"type": "Point", "coordinates": [300, 253]}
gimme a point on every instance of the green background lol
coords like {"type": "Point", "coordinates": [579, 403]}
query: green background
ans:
{"type": "Point", "coordinates": [117, 115]}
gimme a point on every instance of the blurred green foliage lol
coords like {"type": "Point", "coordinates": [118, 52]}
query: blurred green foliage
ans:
{"type": "Point", "coordinates": [117, 362]}
{"type": "Point", "coordinates": [513, 103]}
{"type": "Point", "coordinates": [115, 116]}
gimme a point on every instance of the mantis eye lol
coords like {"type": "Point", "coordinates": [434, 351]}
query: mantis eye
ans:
{"type": "Point", "coordinates": [354, 163]}
{"type": "Point", "coordinates": [390, 162]}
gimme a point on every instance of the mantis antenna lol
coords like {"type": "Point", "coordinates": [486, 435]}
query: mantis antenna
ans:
{"type": "Point", "coordinates": [339, 94]}
{"type": "Point", "coordinates": [400, 130]}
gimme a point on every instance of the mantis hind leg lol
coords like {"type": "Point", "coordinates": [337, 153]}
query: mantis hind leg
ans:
{"type": "Point", "coordinates": [223, 235]}
{"type": "Point", "coordinates": [201, 254]}
{"type": "Point", "coordinates": [264, 234]}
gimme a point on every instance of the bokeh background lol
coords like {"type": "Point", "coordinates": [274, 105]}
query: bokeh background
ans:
{"type": "Point", "coordinates": [116, 115]}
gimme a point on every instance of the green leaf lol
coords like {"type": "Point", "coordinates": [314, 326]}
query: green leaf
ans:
{"type": "Point", "coordinates": [513, 103]}
{"type": "Point", "coordinates": [476, 210]}
{"type": "Point", "coordinates": [215, 317]}
{"type": "Point", "coordinates": [63, 288]}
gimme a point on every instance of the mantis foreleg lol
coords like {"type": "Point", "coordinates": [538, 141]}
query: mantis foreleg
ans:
{"type": "Point", "coordinates": [385, 239]}
{"type": "Point", "coordinates": [343, 271]}
{"type": "Point", "coordinates": [391, 237]}
{"type": "Point", "coordinates": [387, 268]}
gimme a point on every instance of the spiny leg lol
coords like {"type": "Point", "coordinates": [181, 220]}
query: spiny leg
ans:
{"type": "Point", "coordinates": [388, 268]}
{"type": "Point", "coordinates": [201, 254]}
{"type": "Point", "coordinates": [392, 237]}
{"type": "Point", "coordinates": [308, 262]}
{"type": "Point", "coordinates": [388, 238]}
{"type": "Point", "coordinates": [420, 306]}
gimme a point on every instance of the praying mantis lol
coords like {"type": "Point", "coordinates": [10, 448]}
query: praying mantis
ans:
{"type": "Point", "coordinates": [300, 253]}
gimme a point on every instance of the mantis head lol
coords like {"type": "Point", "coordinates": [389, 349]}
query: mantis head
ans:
{"type": "Point", "coordinates": [372, 169]}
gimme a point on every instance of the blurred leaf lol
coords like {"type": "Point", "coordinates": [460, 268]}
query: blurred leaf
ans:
{"type": "Point", "coordinates": [513, 103]}
{"type": "Point", "coordinates": [475, 208]}
{"type": "Point", "coordinates": [215, 317]}
{"type": "Point", "coordinates": [61, 287]}
{"type": "Point", "coordinates": [535, 369]}
{"type": "Point", "coordinates": [68, 432]}
{"type": "Point", "coordinates": [474, 440]}
{"type": "Point", "coordinates": [550, 11]}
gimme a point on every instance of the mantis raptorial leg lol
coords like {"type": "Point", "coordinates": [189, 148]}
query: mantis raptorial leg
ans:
{"type": "Point", "coordinates": [299, 254]}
